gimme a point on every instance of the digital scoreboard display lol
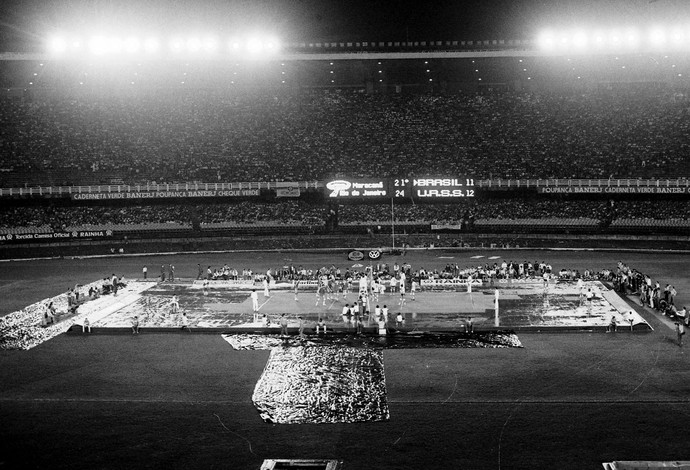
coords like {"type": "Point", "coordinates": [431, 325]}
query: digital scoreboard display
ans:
{"type": "Point", "coordinates": [432, 188]}
{"type": "Point", "coordinates": [426, 188]}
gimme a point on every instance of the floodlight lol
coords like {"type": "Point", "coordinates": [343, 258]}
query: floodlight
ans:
{"type": "Point", "coordinates": [210, 44]}
{"type": "Point", "coordinates": [657, 37]}
{"type": "Point", "coordinates": [132, 45]}
{"type": "Point", "coordinates": [563, 42]}
{"type": "Point", "coordinates": [546, 40]}
{"type": "Point", "coordinates": [114, 45]}
{"type": "Point", "coordinates": [98, 45]}
{"type": "Point", "coordinates": [234, 44]}
{"type": "Point", "coordinates": [579, 40]}
{"type": "Point", "coordinates": [615, 39]}
{"type": "Point", "coordinates": [151, 45]}
{"type": "Point", "coordinates": [57, 45]}
{"type": "Point", "coordinates": [677, 37]}
{"type": "Point", "coordinates": [599, 40]}
{"type": "Point", "coordinates": [631, 38]}
{"type": "Point", "coordinates": [255, 45]}
{"type": "Point", "coordinates": [272, 44]}
{"type": "Point", "coordinates": [176, 44]}
{"type": "Point", "coordinates": [193, 44]}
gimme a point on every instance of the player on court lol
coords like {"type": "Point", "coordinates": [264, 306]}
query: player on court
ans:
{"type": "Point", "coordinates": [255, 301]}
{"type": "Point", "coordinates": [174, 305]}
{"type": "Point", "coordinates": [402, 292]}
{"type": "Point", "coordinates": [321, 293]}
{"type": "Point", "coordinates": [589, 296]}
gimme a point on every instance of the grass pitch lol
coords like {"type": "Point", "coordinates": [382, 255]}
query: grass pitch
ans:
{"type": "Point", "coordinates": [567, 401]}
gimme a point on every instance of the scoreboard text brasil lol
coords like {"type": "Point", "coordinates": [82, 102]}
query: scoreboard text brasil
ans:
{"type": "Point", "coordinates": [399, 188]}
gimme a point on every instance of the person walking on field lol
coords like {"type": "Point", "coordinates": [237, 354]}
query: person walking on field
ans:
{"type": "Point", "coordinates": [301, 328]}
{"type": "Point", "coordinates": [184, 321]}
{"type": "Point", "coordinates": [680, 331]}
{"type": "Point", "coordinates": [283, 325]}
{"type": "Point", "coordinates": [255, 300]}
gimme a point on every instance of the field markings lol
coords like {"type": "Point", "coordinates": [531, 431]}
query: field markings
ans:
{"type": "Point", "coordinates": [265, 302]}
{"type": "Point", "coordinates": [476, 257]}
{"type": "Point", "coordinates": [494, 257]}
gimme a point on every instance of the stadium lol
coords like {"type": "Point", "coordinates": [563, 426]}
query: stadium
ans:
{"type": "Point", "coordinates": [344, 235]}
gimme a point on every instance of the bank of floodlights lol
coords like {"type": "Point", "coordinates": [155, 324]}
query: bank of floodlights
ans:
{"type": "Point", "coordinates": [656, 38]}
{"type": "Point", "coordinates": [190, 46]}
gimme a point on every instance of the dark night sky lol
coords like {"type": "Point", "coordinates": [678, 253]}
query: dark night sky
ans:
{"type": "Point", "coordinates": [25, 21]}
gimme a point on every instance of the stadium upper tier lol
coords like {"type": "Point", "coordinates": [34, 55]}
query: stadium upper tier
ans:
{"type": "Point", "coordinates": [179, 135]}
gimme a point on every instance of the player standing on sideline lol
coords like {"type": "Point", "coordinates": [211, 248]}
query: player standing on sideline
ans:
{"type": "Point", "coordinates": [145, 272]}
{"type": "Point", "coordinates": [135, 325]}
{"type": "Point", "coordinates": [184, 321]}
{"type": "Point", "coordinates": [301, 328]}
{"type": "Point", "coordinates": [283, 325]}
{"type": "Point", "coordinates": [114, 280]}
{"type": "Point", "coordinates": [296, 288]}
{"type": "Point", "coordinates": [255, 301]}
{"type": "Point", "coordinates": [402, 289]}
{"type": "Point", "coordinates": [580, 288]}
{"type": "Point", "coordinates": [267, 293]}
{"type": "Point", "coordinates": [589, 296]}
{"type": "Point", "coordinates": [384, 313]}
{"type": "Point", "coordinates": [399, 320]}
{"type": "Point", "coordinates": [413, 288]}
{"type": "Point", "coordinates": [613, 325]}
{"type": "Point", "coordinates": [393, 283]}
{"type": "Point", "coordinates": [199, 271]}
{"type": "Point", "coordinates": [162, 273]}
{"type": "Point", "coordinates": [680, 331]}
{"type": "Point", "coordinates": [174, 305]}
{"type": "Point", "coordinates": [346, 314]}
{"type": "Point", "coordinates": [172, 272]}
{"type": "Point", "coordinates": [321, 324]}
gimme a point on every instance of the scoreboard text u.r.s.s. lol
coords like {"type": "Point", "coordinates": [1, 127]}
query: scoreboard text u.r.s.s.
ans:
{"type": "Point", "coordinates": [432, 188]}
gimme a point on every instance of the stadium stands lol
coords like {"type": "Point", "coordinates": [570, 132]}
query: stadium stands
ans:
{"type": "Point", "coordinates": [502, 215]}
{"type": "Point", "coordinates": [219, 135]}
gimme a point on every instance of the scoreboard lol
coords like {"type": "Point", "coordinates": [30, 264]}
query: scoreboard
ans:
{"type": "Point", "coordinates": [432, 188]}
{"type": "Point", "coordinates": [427, 188]}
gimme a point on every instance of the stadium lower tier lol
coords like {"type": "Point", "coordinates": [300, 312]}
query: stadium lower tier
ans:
{"type": "Point", "coordinates": [515, 214]}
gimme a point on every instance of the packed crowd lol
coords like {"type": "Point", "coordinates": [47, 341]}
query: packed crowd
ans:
{"type": "Point", "coordinates": [66, 218]}
{"type": "Point", "coordinates": [215, 135]}
{"type": "Point", "coordinates": [298, 212]}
